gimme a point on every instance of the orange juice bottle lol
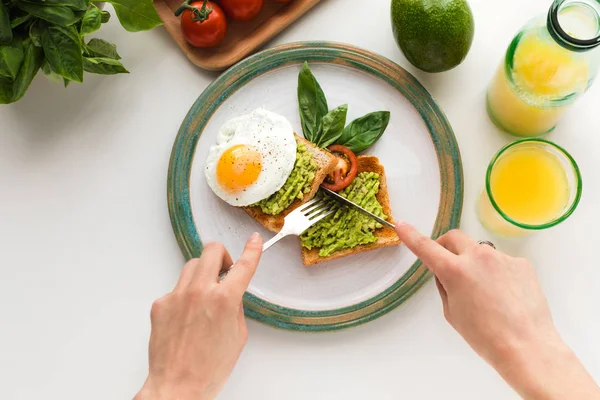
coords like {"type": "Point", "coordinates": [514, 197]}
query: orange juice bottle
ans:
{"type": "Point", "coordinates": [548, 65]}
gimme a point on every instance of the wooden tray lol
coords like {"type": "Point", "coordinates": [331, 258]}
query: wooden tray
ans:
{"type": "Point", "coordinates": [242, 37]}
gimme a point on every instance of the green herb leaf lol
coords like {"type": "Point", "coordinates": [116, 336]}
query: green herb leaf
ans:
{"type": "Point", "coordinates": [34, 56]}
{"type": "Point", "coordinates": [19, 19]}
{"type": "Point", "coordinates": [312, 104]}
{"type": "Point", "coordinates": [6, 34]}
{"type": "Point", "coordinates": [51, 75]}
{"type": "Point", "coordinates": [6, 90]}
{"type": "Point", "coordinates": [104, 16]}
{"type": "Point", "coordinates": [11, 59]}
{"type": "Point", "coordinates": [66, 82]}
{"type": "Point", "coordinates": [35, 33]}
{"type": "Point", "coordinates": [62, 47]}
{"type": "Point", "coordinates": [101, 48]}
{"type": "Point", "coordinates": [59, 15]}
{"type": "Point", "coordinates": [104, 66]}
{"type": "Point", "coordinates": [80, 5]}
{"type": "Point", "coordinates": [363, 132]}
{"type": "Point", "coordinates": [333, 126]}
{"type": "Point", "coordinates": [91, 21]}
{"type": "Point", "coordinates": [136, 15]}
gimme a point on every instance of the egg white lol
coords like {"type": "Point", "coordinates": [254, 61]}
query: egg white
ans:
{"type": "Point", "coordinates": [273, 136]}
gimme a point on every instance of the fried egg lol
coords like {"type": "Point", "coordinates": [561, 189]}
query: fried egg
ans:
{"type": "Point", "coordinates": [253, 157]}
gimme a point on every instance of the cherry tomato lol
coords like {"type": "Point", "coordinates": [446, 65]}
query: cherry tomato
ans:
{"type": "Point", "coordinates": [206, 27]}
{"type": "Point", "coordinates": [241, 10]}
{"type": "Point", "coordinates": [344, 172]}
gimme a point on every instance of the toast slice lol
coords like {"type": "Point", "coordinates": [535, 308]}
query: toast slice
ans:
{"type": "Point", "coordinates": [326, 162]}
{"type": "Point", "coordinates": [385, 236]}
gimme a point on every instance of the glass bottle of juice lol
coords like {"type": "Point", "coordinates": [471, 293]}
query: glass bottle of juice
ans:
{"type": "Point", "coordinates": [548, 65]}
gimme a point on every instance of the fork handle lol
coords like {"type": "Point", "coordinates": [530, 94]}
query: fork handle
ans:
{"type": "Point", "coordinates": [274, 240]}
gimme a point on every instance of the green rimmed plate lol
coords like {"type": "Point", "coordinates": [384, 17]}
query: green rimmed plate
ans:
{"type": "Point", "coordinates": [418, 150]}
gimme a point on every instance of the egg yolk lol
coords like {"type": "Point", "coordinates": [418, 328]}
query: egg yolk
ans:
{"type": "Point", "coordinates": [239, 167]}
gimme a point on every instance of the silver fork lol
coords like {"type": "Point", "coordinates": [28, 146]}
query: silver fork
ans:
{"type": "Point", "coordinates": [298, 221]}
{"type": "Point", "coordinates": [303, 218]}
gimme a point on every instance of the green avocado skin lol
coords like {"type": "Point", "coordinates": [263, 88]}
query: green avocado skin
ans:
{"type": "Point", "coordinates": [434, 35]}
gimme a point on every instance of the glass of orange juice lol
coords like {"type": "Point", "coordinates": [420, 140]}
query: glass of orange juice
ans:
{"type": "Point", "coordinates": [548, 65]}
{"type": "Point", "coordinates": [531, 184]}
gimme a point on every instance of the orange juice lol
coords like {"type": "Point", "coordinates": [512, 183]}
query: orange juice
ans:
{"type": "Point", "coordinates": [543, 72]}
{"type": "Point", "coordinates": [530, 185]}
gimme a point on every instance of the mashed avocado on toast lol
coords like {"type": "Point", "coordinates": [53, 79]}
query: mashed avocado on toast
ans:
{"type": "Point", "coordinates": [296, 186]}
{"type": "Point", "coordinates": [348, 228]}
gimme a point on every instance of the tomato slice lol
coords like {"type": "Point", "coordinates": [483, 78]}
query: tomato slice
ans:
{"type": "Point", "coordinates": [343, 175]}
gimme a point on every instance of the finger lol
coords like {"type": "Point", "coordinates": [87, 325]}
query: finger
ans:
{"type": "Point", "coordinates": [244, 268]}
{"type": "Point", "coordinates": [187, 272]}
{"type": "Point", "coordinates": [214, 258]}
{"type": "Point", "coordinates": [434, 256]}
{"type": "Point", "coordinates": [444, 297]}
{"type": "Point", "coordinates": [456, 241]}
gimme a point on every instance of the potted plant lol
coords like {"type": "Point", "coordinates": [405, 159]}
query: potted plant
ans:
{"type": "Point", "coordinates": [50, 35]}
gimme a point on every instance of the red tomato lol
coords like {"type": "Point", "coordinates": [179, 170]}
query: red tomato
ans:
{"type": "Point", "coordinates": [241, 10]}
{"type": "Point", "coordinates": [206, 32]}
{"type": "Point", "coordinates": [345, 171]}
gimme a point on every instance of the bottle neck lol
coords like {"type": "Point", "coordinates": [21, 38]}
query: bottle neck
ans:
{"type": "Point", "coordinates": [575, 24]}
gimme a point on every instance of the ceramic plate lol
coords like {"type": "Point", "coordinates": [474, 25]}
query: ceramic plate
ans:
{"type": "Point", "coordinates": [418, 150]}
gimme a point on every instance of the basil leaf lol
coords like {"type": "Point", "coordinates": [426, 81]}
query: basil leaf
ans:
{"type": "Point", "coordinates": [51, 75]}
{"type": "Point", "coordinates": [34, 56]}
{"type": "Point", "coordinates": [19, 20]}
{"type": "Point", "coordinates": [66, 82]}
{"type": "Point", "coordinates": [35, 33]}
{"type": "Point", "coordinates": [6, 34]}
{"type": "Point", "coordinates": [6, 90]}
{"type": "Point", "coordinates": [58, 15]}
{"type": "Point", "coordinates": [136, 15]}
{"type": "Point", "coordinates": [101, 48]}
{"type": "Point", "coordinates": [363, 132]}
{"type": "Point", "coordinates": [312, 104]}
{"type": "Point", "coordinates": [80, 5]}
{"type": "Point", "coordinates": [62, 47]}
{"type": "Point", "coordinates": [333, 125]}
{"type": "Point", "coordinates": [104, 66]}
{"type": "Point", "coordinates": [11, 59]}
{"type": "Point", "coordinates": [104, 16]}
{"type": "Point", "coordinates": [91, 21]}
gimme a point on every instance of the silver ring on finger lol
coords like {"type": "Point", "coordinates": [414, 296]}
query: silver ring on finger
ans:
{"type": "Point", "coordinates": [487, 243]}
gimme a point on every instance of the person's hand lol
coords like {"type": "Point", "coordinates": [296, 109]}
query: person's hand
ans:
{"type": "Point", "coordinates": [496, 304]}
{"type": "Point", "coordinates": [199, 330]}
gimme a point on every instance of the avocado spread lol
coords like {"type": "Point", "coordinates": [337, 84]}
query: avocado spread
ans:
{"type": "Point", "coordinates": [296, 186]}
{"type": "Point", "coordinates": [348, 228]}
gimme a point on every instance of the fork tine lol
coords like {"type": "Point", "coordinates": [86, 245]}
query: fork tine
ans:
{"type": "Point", "coordinates": [310, 203]}
{"type": "Point", "coordinates": [324, 214]}
{"type": "Point", "coordinates": [315, 205]}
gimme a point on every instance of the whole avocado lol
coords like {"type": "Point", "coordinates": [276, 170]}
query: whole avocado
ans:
{"type": "Point", "coordinates": [434, 35]}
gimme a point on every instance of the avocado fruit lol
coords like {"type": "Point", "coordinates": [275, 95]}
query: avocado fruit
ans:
{"type": "Point", "coordinates": [434, 35]}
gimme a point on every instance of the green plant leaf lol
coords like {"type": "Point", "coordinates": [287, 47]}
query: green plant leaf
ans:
{"type": "Point", "coordinates": [11, 59]}
{"type": "Point", "coordinates": [34, 56]}
{"type": "Point", "coordinates": [51, 75]}
{"type": "Point", "coordinates": [18, 20]}
{"type": "Point", "coordinates": [35, 33]}
{"type": "Point", "coordinates": [136, 15]}
{"type": "Point", "coordinates": [104, 16]}
{"type": "Point", "coordinates": [312, 104]}
{"type": "Point", "coordinates": [91, 21]}
{"type": "Point", "coordinates": [363, 132]}
{"type": "Point", "coordinates": [6, 90]}
{"type": "Point", "coordinates": [103, 66]}
{"type": "Point", "coordinates": [101, 48]}
{"type": "Point", "coordinates": [59, 15]}
{"type": "Point", "coordinates": [6, 34]}
{"type": "Point", "coordinates": [80, 5]}
{"type": "Point", "coordinates": [62, 47]}
{"type": "Point", "coordinates": [66, 82]}
{"type": "Point", "coordinates": [333, 125]}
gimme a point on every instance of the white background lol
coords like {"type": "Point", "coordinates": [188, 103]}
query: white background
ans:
{"type": "Point", "coordinates": [86, 244]}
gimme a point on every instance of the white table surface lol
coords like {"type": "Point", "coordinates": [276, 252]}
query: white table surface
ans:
{"type": "Point", "coordinates": [86, 243]}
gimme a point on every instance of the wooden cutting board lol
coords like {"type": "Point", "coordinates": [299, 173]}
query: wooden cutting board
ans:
{"type": "Point", "coordinates": [242, 38]}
